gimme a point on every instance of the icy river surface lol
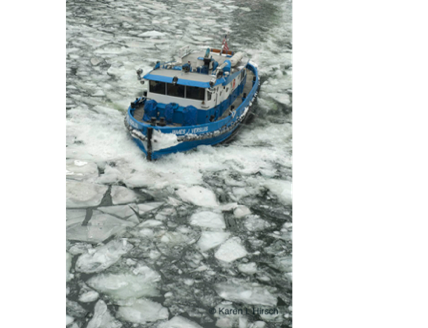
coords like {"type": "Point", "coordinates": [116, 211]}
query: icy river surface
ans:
{"type": "Point", "coordinates": [197, 239]}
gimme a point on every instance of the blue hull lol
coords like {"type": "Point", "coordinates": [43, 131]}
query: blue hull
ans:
{"type": "Point", "coordinates": [191, 137]}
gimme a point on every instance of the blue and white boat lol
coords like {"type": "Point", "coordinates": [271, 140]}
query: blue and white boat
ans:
{"type": "Point", "coordinates": [200, 99]}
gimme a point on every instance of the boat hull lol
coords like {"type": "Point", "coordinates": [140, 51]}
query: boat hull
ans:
{"type": "Point", "coordinates": [183, 146]}
{"type": "Point", "coordinates": [181, 139]}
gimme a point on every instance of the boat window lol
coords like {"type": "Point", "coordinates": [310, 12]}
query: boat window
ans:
{"type": "Point", "coordinates": [195, 93]}
{"type": "Point", "coordinates": [157, 87]}
{"type": "Point", "coordinates": [175, 90]}
{"type": "Point", "coordinates": [208, 95]}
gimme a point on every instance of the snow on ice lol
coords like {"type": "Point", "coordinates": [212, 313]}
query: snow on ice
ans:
{"type": "Point", "coordinates": [198, 195]}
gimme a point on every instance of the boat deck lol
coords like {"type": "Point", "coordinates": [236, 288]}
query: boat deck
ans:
{"type": "Point", "coordinates": [139, 112]}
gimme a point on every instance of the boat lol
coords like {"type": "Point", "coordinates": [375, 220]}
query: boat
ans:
{"type": "Point", "coordinates": [201, 98]}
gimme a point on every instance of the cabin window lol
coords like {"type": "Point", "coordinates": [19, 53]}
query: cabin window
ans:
{"type": "Point", "coordinates": [175, 90]}
{"type": "Point", "coordinates": [208, 95]}
{"type": "Point", "coordinates": [195, 93]}
{"type": "Point", "coordinates": [157, 87]}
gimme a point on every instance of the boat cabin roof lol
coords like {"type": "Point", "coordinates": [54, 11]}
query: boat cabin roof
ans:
{"type": "Point", "coordinates": [191, 78]}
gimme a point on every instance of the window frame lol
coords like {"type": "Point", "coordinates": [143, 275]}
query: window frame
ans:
{"type": "Point", "coordinates": [158, 93]}
{"type": "Point", "coordinates": [176, 85]}
{"type": "Point", "coordinates": [198, 99]}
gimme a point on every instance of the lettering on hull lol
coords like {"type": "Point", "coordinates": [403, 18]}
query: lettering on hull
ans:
{"type": "Point", "coordinates": [190, 131]}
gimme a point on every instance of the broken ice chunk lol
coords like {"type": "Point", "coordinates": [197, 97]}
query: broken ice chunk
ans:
{"type": "Point", "coordinates": [211, 239]}
{"type": "Point", "coordinates": [69, 276]}
{"type": "Point", "coordinates": [122, 195]}
{"type": "Point", "coordinates": [153, 34]}
{"type": "Point", "coordinates": [248, 268]}
{"type": "Point", "coordinates": [228, 207]}
{"type": "Point", "coordinates": [142, 282]}
{"type": "Point", "coordinates": [241, 291]}
{"type": "Point", "coordinates": [79, 170]}
{"type": "Point", "coordinates": [89, 296]}
{"type": "Point", "coordinates": [198, 196]}
{"type": "Point", "coordinates": [121, 211]}
{"type": "Point", "coordinates": [100, 227]}
{"type": "Point", "coordinates": [150, 223]}
{"type": "Point", "coordinates": [281, 188]}
{"type": "Point", "coordinates": [241, 211]}
{"type": "Point", "coordinates": [142, 311]}
{"type": "Point", "coordinates": [74, 309]}
{"type": "Point", "coordinates": [231, 250]}
{"type": "Point", "coordinates": [84, 194]}
{"type": "Point", "coordinates": [208, 220]}
{"type": "Point", "coordinates": [147, 207]}
{"type": "Point", "coordinates": [103, 256]}
{"type": "Point", "coordinates": [102, 317]}
{"type": "Point", "coordinates": [69, 320]}
{"type": "Point", "coordinates": [179, 322]}
{"type": "Point", "coordinates": [174, 238]}
{"type": "Point", "coordinates": [254, 223]}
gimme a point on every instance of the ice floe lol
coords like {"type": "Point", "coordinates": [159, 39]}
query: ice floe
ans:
{"type": "Point", "coordinates": [81, 170]}
{"type": "Point", "coordinates": [211, 239]}
{"type": "Point", "coordinates": [241, 291]}
{"type": "Point", "coordinates": [142, 311]}
{"type": "Point", "coordinates": [207, 219]}
{"type": "Point", "coordinates": [102, 317]}
{"type": "Point", "coordinates": [102, 257]}
{"type": "Point", "coordinates": [248, 268]}
{"type": "Point", "coordinates": [69, 275]}
{"type": "Point", "coordinates": [126, 212]}
{"type": "Point", "coordinates": [231, 250]}
{"type": "Point", "coordinates": [122, 195]}
{"type": "Point", "coordinates": [198, 195]}
{"type": "Point", "coordinates": [147, 207]}
{"type": "Point", "coordinates": [179, 322]}
{"type": "Point", "coordinates": [241, 211]}
{"type": "Point", "coordinates": [281, 188]}
{"type": "Point", "coordinates": [137, 283]}
{"type": "Point", "coordinates": [100, 227]}
{"type": "Point", "coordinates": [69, 320]}
{"type": "Point", "coordinates": [152, 34]}
{"type": "Point", "coordinates": [90, 296]}
{"type": "Point", "coordinates": [255, 223]}
{"type": "Point", "coordinates": [84, 194]}
{"type": "Point", "coordinates": [150, 223]}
